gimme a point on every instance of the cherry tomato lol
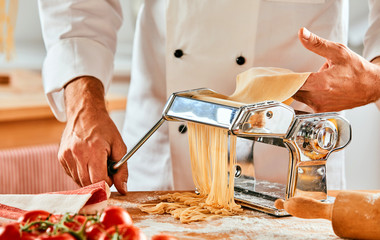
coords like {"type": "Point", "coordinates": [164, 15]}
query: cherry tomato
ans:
{"type": "Point", "coordinates": [10, 231]}
{"type": "Point", "coordinates": [163, 237]}
{"type": "Point", "coordinates": [63, 236]}
{"type": "Point", "coordinates": [28, 236]}
{"type": "Point", "coordinates": [114, 216]}
{"type": "Point", "coordinates": [95, 231]}
{"type": "Point", "coordinates": [75, 222]}
{"type": "Point", "coordinates": [123, 232]}
{"type": "Point", "coordinates": [80, 218]}
{"type": "Point", "coordinates": [37, 215]}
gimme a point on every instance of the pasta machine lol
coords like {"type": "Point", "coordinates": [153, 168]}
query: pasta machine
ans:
{"type": "Point", "coordinates": [309, 139]}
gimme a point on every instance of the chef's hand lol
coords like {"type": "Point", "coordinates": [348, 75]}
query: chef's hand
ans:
{"type": "Point", "coordinates": [346, 80]}
{"type": "Point", "coordinates": [90, 136]}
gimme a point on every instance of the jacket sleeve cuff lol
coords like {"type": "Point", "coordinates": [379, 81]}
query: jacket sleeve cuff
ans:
{"type": "Point", "coordinates": [77, 57]}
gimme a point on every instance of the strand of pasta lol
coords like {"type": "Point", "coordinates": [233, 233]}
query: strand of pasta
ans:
{"type": "Point", "coordinates": [211, 165]}
{"type": "Point", "coordinates": [2, 23]}
{"type": "Point", "coordinates": [8, 16]}
{"type": "Point", "coordinates": [205, 163]}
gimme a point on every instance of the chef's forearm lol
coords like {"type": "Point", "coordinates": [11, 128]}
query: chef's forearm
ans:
{"type": "Point", "coordinates": [376, 80]}
{"type": "Point", "coordinates": [84, 94]}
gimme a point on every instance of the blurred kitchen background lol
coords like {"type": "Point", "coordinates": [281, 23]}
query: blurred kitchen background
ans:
{"type": "Point", "coordinates": [23, 109]}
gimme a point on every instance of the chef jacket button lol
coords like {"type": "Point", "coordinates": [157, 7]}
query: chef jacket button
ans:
{"type": "Point", "coordinates": [240, 60]}
{"type": "Point", "coordinates": [182, 128]}
{"type": "Point", "coordinates": [178, 53]}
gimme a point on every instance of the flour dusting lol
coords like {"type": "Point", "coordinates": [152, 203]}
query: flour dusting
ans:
{"type": "Point", "coordinates": [241, 227]}
{"type": "Point", "coordinates": [126, 205]}
{"type": "Point", "coordinates": [373, 198]}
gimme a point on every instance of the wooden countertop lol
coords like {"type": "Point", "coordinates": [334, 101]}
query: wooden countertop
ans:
{"type": "Point", "coordinates": [249, 225]}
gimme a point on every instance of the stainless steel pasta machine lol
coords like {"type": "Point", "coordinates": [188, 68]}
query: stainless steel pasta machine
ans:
{"type": "Point", "coordinates": [309, 139]}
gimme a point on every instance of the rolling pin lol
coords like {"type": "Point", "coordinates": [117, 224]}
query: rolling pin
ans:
{"type": "Point", "coordinates": [353, 214]}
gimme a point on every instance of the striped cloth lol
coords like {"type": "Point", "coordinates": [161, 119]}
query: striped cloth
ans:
{"type": "Point", "coordinates": [30, 170]}
{"type": "Point", "coordinates": [87, 200]}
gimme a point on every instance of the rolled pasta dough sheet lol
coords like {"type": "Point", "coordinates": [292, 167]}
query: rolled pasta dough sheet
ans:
{"type": "Point", "coordinates": [267, 83]}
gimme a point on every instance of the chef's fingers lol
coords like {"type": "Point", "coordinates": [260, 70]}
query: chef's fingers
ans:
{"type": "Point", "coordinates": [310, 83]}
{"type": "Point", "coordinates": [302, 96]}
{"type": "Point", "coordinates": [75, 172]}
{"type": "Point", "coordinates": [74, 176]}
{"type": "Point", "coordinates": [333, 51]}
{"type": "Point", "coordinates": [82, 169]}
{"type": "Point", "coordinates": [305, 97]}
{"type": "Point", "coordinates": [62, 156]}
{"type": "Point", "coordinates": [321, 102]}
{"type": "Point", "coordinates": [66, 159]}
{"type": "Point", "coordinates": [120, 178]}
{"type": "Point", "coordinates": [82, 157]}
{"type": "Point", "coordinates": [65, 166]}
{"type": "Point", "coordinates": [98, 169]}
{"type": "Point", "coordinates": [319, 82]}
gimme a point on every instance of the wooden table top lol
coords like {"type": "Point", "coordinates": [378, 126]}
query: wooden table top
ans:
{"type": "Point", "coordinates": [249, 225]}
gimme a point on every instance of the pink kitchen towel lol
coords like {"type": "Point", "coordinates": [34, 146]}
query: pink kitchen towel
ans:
{"type": "Point", "coordinates": [87, 200]}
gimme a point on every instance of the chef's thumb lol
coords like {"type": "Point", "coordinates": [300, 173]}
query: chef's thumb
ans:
{"type": "Point", "coordinates": [325, 48]}
{"type": "Point", "coordinates": [120, 178]}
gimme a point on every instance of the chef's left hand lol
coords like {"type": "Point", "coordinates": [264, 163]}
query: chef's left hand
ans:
{"type": "Point", "coordinates": [346, 80]}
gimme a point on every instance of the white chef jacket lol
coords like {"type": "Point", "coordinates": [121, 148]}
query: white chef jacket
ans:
{"type": "Point", "coordinates": [80, 38]}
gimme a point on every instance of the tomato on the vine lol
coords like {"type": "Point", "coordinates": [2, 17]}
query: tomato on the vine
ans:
{"type": "Point", "coordinates": [10, 231]}
{"type": "Point", "coordinates": [114, 215]}
{"type": "Point", "coordinates": [75, 222]}
{"type": "Point", "coordinates": [37, 215]}
{"type": "Point", "coordinates": [123, 232]}
{"type": "Point", "coordinates": [28, 236]}
{"type": "Point", "coordinates": [94, 231]}
{"type": "Point", "coordinates": [37, 221]}
{"type": "Point", "coordinates": [113, 223]}
{"type": "Point", "coordinates": [63, 236]}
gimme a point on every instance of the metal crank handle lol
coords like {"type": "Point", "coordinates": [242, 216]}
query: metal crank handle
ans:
{"type": "Point", "coordinates": [113, 166]}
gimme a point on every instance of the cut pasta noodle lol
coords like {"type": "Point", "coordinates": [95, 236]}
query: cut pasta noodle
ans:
{"type": "Point", "coordinates": [8, 16]}
{"type": "Point", "coordinates": [212, 165]}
